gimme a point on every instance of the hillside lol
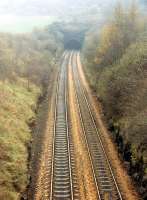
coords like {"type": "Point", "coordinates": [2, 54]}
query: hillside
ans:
{"type": "Point", "coordinates": [115, 64]}
{"type": "Point", "coordinates": [26, 62]}
{"type": "Point", "coordinates": [17, 107]}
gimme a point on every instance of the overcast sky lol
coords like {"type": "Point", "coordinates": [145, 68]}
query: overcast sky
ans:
{"type": "Point", "coordinates": [20, 15]}
{"type": "Point", "coordinates": [49, 7]}
{"type": "Point", "coordinates": [44, 7]}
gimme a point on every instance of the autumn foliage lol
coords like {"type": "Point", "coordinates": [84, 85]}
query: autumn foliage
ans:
{"type": "Point", "coordinates": [115, 60]}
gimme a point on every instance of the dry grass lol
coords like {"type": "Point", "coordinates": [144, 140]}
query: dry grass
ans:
{"type": "Point", "coordinates": [17, 106]}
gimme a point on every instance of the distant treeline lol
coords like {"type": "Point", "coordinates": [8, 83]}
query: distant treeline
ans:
{"type": "Point", "coordinates": [28, 55]}
{"type": "Point", "coordinates": [115, 60]}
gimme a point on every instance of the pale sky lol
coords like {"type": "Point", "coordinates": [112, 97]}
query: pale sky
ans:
{"type": "Point", "coordinates": [44, 7]}
{"type": "Point", "coordinates": [29, 7]}
{"type": "Point", "coordinates": [21, 15]}
{"type": "Point", "coordinates": [47, 7]}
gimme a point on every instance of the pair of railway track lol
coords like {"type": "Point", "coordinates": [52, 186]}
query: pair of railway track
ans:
{"type": "Point", "coordinates": [63, 178]}
{"type": "Point", "coordinates": [63, 186]}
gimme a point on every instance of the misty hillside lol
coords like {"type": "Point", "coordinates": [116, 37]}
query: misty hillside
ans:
{"type": "Point", "coordinates": [114, 58]}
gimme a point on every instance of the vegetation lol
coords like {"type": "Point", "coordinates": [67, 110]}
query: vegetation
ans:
{"type": "Point", "coordinates": [17, 110]}
{"type": "Point", "coordinates": [26, 63]}
{"type": "Point", "coordinates": [115, 61]}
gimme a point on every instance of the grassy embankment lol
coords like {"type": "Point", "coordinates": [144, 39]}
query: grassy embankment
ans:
{"type": "Point", "coordinates": [115, 62]}
{"type": "Point", "coordinates": [26, 63]}
{"type": "Point", "coordinates": [17, 110]}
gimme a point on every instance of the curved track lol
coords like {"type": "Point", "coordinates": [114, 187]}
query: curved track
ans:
{"type": "Point", "coordinates": [107, 187]}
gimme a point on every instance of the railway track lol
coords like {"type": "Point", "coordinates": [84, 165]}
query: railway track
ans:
{"type": "Point", "coordinates": [63, 184]}
{"type": "Point", "coordinates": [107, 187]}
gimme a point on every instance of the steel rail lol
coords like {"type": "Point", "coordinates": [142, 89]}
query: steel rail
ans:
{"type": "Point", "coordinates": [83, 129]}
{"type": "Point", "coordinates": [90, 110]}
{"type": "Point", "coordinates": [60, 154]}
{"type": "Point", "coordinates": [77, 78]}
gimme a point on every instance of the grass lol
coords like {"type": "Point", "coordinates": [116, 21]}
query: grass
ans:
{"type": "Point", "coordinates": [17, 109]}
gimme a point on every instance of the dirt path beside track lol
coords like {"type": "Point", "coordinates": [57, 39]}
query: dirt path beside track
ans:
{"type": "Point", "coordinates": [124, 181]}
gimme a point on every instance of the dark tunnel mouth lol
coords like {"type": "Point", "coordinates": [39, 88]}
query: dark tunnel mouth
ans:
{"type": "Point", "coordinates": [73, 44]}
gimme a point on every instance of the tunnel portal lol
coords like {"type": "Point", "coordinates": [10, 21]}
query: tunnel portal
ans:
{"type": "Point", "coordinates": [73, 44]}
{"type": "Point", "coordinates": [73, 34]}
{"type": "Point", "coordinates": [73, 40]}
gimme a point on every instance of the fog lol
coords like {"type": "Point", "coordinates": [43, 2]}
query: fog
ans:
{"type": "Point", "coordinates": [24, 15]}
{"type": "Point", "coordinates": [52, 7]}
